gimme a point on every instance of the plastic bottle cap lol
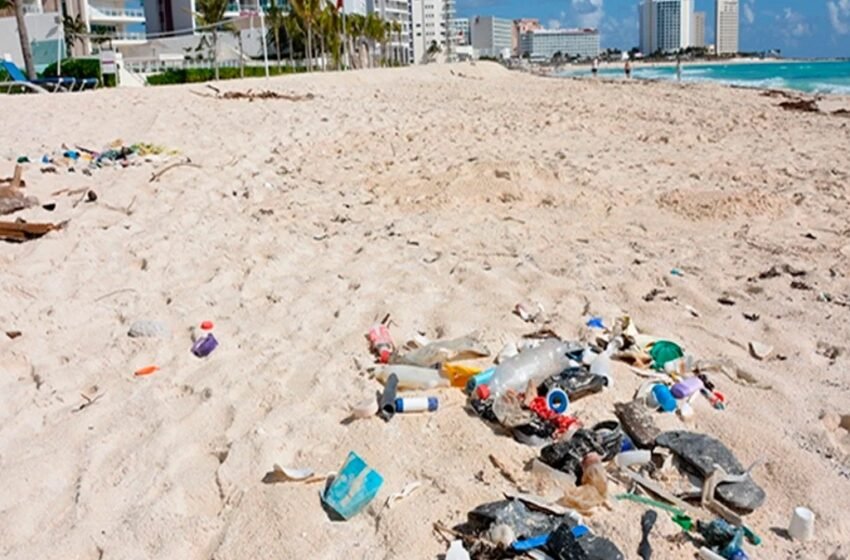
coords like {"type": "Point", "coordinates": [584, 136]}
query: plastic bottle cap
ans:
{"type": "Point", "coordinates": [207, 325]}
{"type": "Point", "coordinates": [385, 355]}
{"type": "Point", "coordinates": [483, 392]}
{"type": "Point", "coordinates": [557, 400]}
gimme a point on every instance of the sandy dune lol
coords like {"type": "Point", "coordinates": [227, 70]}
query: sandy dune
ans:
{"type": "Point", "coordinates": [442, 197]}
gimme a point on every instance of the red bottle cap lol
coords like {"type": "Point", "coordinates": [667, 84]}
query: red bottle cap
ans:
{"type": "Point", "coordinates": [207, 325]}
{"type": "Point", "coordinates": [483, 392]}
{"type": "Point", "coordinates": [385, 355]}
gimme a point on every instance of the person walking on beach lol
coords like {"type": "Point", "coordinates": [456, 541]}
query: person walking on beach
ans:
{"type": "Point", "coordinates": [595, 67]}
{"type": "Point", "coordinates": [628, 69]}
{"type": "Point", "coordinates": [678, 68]}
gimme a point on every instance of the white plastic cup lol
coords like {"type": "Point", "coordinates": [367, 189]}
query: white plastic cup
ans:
{"type": "Point", "coordinates": [802, 526]}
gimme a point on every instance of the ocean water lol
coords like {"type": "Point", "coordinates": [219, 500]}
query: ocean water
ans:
{"type": "Point", "coordinates": [811, 76]}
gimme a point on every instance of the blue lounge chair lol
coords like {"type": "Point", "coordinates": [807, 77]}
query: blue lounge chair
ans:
{"type": "Point", "coordinates": [39, 85]}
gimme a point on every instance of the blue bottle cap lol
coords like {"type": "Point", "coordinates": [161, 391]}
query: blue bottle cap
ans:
{"type": "Point", "coordinates": [558, 400]}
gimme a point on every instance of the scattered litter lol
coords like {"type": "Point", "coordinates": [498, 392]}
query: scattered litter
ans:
{"type": "Point", "coordinates": [353, 488]}
{"type": "Point", "coordinates": [802, 525]}
{"type": "Point", "coordinates": [381, 341]}
{"type": "Point", "coordinates": [291, 474]}
{"type": "Point", "coordinates": [250, 95]}
{"type": "Point", "coordinates": [677, 272]}
{"type": "Point", "coordinates": [408, 489]}
{"type": "Point", "coordinates": [759, 350]}
{"type": "Point", "coordinates": [725, 301]}
{"type": "Point", "coordinates": [416, 404]}
{"type": "Point", "coordinates": [204, 344]}
{"type": "Point", "coordinates": [752, 317]}
{"type": "Point", "coordinates": [440, 351]}
{"type": "Point", "coordinates": [147, 370]}
{"type": "Point", "coordinates": [456, 551]}
{"type": "Point", "coordinates": [13, 334]}
{"type": "Point", "coordinates": [800, 285]}
{"type": "Point", "coordinates": [387, 402]}
{"type": "Point", "coordinates": [529, 313]}
{"type": "Point", "coordinates": [647, 522]}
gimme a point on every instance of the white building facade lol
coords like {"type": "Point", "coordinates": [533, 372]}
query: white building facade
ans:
{"type": "Point", "coordinates": [399, 11]}
{"type": "Point", "coordinates": [459, 30]}
{"type": "Point", "coordinates": [430, 25]}
{"type": "Point", "coordinates": [546, 43]}
{"type": "Point", "coordinates": [698, 30]}
{"type": "Point", "coordinates": [665, 25]}
{"type": "Point", "coordinates": [726, 26]}
{"type": "Point", "coordinates": [491, 36]}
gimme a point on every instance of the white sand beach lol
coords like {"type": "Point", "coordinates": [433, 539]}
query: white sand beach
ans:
{"type": "Point", "coordinates": [442, 195]}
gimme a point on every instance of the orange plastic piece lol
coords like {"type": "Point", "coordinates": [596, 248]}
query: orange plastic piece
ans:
{"type": "Point", "coordinates": [147, 370]}
{"type": "Point", "coordinates": [207, 325]}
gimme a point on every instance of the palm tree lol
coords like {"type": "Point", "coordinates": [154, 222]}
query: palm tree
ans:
{"type": "Point", "coordinates": [331, 24]}
{"type": "Point", "coordinates": [210, 13]}
{"type": "Point", "coordinates": [75, 31]}
{"type": "Point", "coordinates": [275, 20]}
{"type": "Point", "coordinates": [397, 29]}
{"type": "Point", "coordinates": [308, 12]}
{"type": "Point", "coordinates": [293, 30]}
{"type": "Point", "coordinates": [23, 34]}
{"type": "Point", "coordinates": [374, 31]}
{"type": "Point", "coordinates": [355, 24]}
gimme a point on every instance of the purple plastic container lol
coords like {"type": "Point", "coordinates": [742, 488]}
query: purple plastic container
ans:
{"type": "Point", "coordinates": [686, 387]}
{"type": "Point", "coordinates": [203, 347]}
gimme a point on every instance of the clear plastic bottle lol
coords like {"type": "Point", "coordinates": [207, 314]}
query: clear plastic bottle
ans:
{"type": "Point", "coordinates": [412, 377]}
{"type": "Point", "coordinates": [535, 364]}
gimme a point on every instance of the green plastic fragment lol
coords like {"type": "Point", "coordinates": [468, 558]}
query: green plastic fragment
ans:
{"type": "Point", "coordinates": [664, 351]}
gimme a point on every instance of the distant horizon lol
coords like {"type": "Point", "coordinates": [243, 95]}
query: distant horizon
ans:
{"type": "Point", "coordinates": [814, 29]}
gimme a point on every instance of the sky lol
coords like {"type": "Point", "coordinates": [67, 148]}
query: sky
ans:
{"type": "Point", "coordinates": [800, 28]}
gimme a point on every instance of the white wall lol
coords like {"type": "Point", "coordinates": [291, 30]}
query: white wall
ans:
{"type": "Point", "coordinates": [41, 27]}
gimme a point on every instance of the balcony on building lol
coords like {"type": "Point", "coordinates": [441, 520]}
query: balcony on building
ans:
{"type": "Point", "coordinates": [117, 12]}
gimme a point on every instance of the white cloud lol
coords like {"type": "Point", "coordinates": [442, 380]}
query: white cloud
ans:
{"type": "Point", "coordinates": [749, 14]}
{"type": "Point", "coordinates": [837, 12]}
{"type": "Point", "coordinates": [795, 24]}
{"type": "Point", "coordinates": [553, 24]}
{"type": "Point", "coordinates": [589, 13]}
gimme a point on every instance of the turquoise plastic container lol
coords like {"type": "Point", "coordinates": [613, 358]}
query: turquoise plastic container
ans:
{"type": "Point", "coordinates": [353, 488]}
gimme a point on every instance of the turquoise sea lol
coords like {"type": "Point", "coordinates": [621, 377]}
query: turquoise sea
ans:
{"type": "Point", "coordinates": [808, 76]}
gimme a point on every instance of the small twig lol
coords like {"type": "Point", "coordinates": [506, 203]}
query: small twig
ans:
{"type": "Point", "coordinates": [89, 401]}
{"type": "Point", "coordinates": [156, 175]}
{"type": "Point", "coordinates": [115, 292]}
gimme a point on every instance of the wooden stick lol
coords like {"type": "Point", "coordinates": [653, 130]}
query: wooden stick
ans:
{"type": "Point", "coordinates": [16, 178]}
{"type": "Point", "coordinates": [16, 231]}
{"type": "Point", "coordinates": [156, 175]}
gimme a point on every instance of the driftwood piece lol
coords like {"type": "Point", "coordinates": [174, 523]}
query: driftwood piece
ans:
{"type": "Point", "coordinates": [21, 231]}
{"type": "Point", "coordinates": [12, 200]}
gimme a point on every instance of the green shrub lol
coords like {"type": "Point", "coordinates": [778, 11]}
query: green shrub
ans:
{"type": "Point", "coordinates": [194, 75]}
{"type": "Point", "coordinates": [81, 68]}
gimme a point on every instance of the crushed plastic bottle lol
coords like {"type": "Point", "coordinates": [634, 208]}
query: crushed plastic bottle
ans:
{"type": "Point", "coordinates": [535, 364]}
